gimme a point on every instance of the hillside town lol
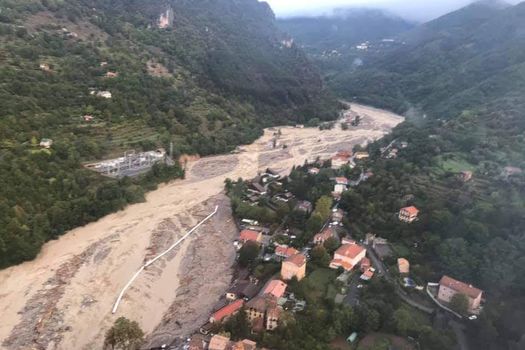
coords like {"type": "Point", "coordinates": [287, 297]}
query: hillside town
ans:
{"type": "Point", "coordinates": [276, 255]}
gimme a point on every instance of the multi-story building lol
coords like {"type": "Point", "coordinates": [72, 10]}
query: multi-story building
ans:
{"type": "Point", "coordinates": [448, 287]}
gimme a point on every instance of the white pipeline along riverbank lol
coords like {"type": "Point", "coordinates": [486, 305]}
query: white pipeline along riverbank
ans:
{"type": "Point", "coordinates": [119, 298]}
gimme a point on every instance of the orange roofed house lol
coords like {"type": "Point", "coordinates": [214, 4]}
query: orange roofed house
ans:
{"type": "Point", "coordinates": [275, 288]}
{"type": "Point", "coordinates": [227, 311]}
{"type": "Point", "coordinates": [448, 287]}
{"type": "Point", "coordinates": [283, 251]}
{"type": "Point", "coordinates": [403, 265]}
{"type": "Point", "coordinates": [294, 266]}
{"type": "Point", "coordinates": [219, 342]}
{"type": "Point", "coordinates": [408, 214]}
{"type": "Point", "coordinates": [245, 344]}
{"type": "Point", "coordinates": [348, 256]}
{"type": "Point", "coordinates": [322, 236]}
{"type": "Point", "coordinates": [250, 235]}
{"type": "Point", "coordinates": [341, 159]}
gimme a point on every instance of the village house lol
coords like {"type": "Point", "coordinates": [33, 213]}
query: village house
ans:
{"type": "Point", "coordinates": [111, 74]}
{"type": "Point", "coordinates": [367, 274]}
{"type": "Point", "coordinates": [465, 176]}
{"type": "Point", "coordinates": [46, 143]}
{"type": "Point", "coordinates": [250, 235]}
{"type": "Point", "coordinates": [275, 288]}
{"type": "Point", "coordinates": [364, 264]}
{"type": "Point", "coordinates": [341, 180]}
{"type": "Point", "coordinates": [313, 171]}
{"type": "Point", "coordinates": [219, 342]}
{"type": "Point", "coordinates": [361, 155]}
{"type": "Point", "coordinates": [87, 118]}
{"type": "Point", "coordinates": [347, 240]}
{"type": "Point", "coordinates": [347, 256]}
{"type": "Point", "coordinates": [283, 251]}
{"type": "Point", "coordinates": [408, 214]}
{"type": "Point", "coordinates": [403, 265]}
{"type": "Point", "coordinates": [337, 215]}
{"type": "Point", "coordinates": [322, 236]}
{"type": "Point", "coordinates": [448, 287]}
{"type": "Point", "coordinates": [245, 344]}
{"type": "Point", "coordinates": [339, 189]}
{"type": "Point", "coordinates": [103, 94]}
{"type": "Point", "coordinates": [263, 313]}
{"type": "Point", "coordinates": [197, 342]}
{"type": "Point", "coordinates": [294, 267]}
{"type": "Point", "coordinates": [227, 311]}
{"type": "Point", "coordinates": [45, 67]}
{"type": "Point", "coordinates": [341, 159]}
{"type": "Point", "coordinates": [304, 206]}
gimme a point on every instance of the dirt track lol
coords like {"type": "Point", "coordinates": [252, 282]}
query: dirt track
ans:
{"type": "Point", "coordinates": [63, 299]}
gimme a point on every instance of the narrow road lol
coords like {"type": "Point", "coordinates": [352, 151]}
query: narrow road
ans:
{"type": "Point", "coordinates": [382, 271]}
{"type": "Point", "coordinates": [458, 328]}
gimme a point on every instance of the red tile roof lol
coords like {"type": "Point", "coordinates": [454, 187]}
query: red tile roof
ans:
{"type": "Point", "coordinates": [341, 158]}
{"type": "Point", "coordinates": [249, 235]}
{"type": "Point", "coordinates": [365, 262]}
{"type": "Point", "coordinates": [341, 180]}
{"type": "Point", "coordinates": [228, 310]}
{"type": "Point", "coordinates": [367, 275]}
{"type": "Point", "coordinates": [285, 251]}
{"type": "Point", "coordinates": [460, 287]}
{"type": "Point", "coordinates": [350, 250]}
{"type": "Point", "coordinates": [324, 235]}
{"type": "Point", "coordinates": [411, 210]}
{"type": "Point", "coordinates": [346, 154]}
{"type": "Point", "coordinates": [344, 264]}
{"type": "Point", "coordinates": [275, 288]}
{"type": "Point", "coordinates": [297, 259]}
{"type": "Point", "coordinates": [403, 265]}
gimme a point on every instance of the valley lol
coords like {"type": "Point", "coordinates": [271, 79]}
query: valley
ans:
{"type": "Point", "coordinates": [63, 298]}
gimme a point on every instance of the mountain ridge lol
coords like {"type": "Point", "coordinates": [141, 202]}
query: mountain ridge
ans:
{"type": "Point", "coordinates": [101, 78]}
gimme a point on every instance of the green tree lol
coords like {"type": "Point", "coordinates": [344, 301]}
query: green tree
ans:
{"type": "Point", "coordinates": [331, 244]}
{"type": "Point", "coordinates": [314, 223]}
{"type": "Point", "coordinates": [320, 256]}
{"type": "Point", "coordinates": [248, 253]}
{"type": "Point", "coordinates": [124, 335]}
{"type": "Point", "coordinates": [459, 303]}
{"type": "Point", "coordinates": [323, 207]}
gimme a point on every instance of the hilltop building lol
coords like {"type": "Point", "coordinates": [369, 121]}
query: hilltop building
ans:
{"type": "Point", "coordinates": [408, 214]}
{"type": "Point", "coordinates": [448, 287]}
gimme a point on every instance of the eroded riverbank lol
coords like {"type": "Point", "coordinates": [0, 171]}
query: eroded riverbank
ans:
{"type": "Point", "coordinates": [63, 298]}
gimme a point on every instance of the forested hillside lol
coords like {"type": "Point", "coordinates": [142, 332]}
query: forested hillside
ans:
{"type": "Point", "coordinates": [204, 75]}
{"type": "Point", "coordinates": [342, 30]}
{"type": "Point", "coordinates": [461, 81]}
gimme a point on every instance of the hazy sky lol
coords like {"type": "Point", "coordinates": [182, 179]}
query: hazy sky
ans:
{"type": "Point", "coordinates": [421, 10]}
